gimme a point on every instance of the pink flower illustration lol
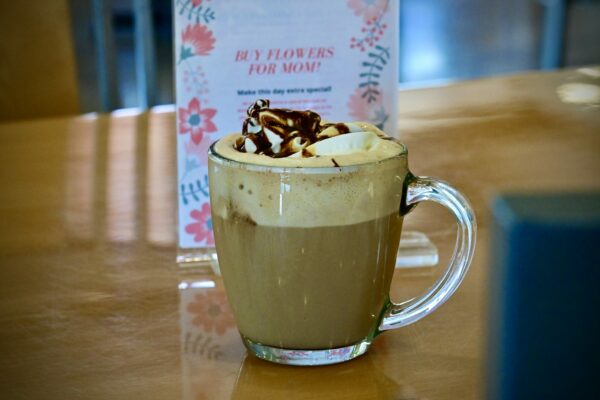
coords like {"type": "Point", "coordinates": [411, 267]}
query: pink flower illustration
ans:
{"type": "Point", "coordinates": [361, 109]}
{"type": "Point", "coordinates": [371, 10]}
{"type": "Point", "coordinates": [359, 106]}
{"type": "Point", "coordinates": [196, 120]}
{"type": "Point", "coordinates": [211, 312]}
{"type": "Point", "coordinates": [196, 40]}
{"type": "Point", "coordinates": [372, 31]}
{"type": "Point", "coordinates": [202, 230]}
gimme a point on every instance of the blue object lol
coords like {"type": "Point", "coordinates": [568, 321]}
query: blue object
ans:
{"type": "Point", "coordinates": [553, 38]}
{"type": "Point", "coordinates": [106, 60]}
{"type": "Point", "coordinates": [145, 58]}
{"type": "Point", "coordinates": [544, 326]}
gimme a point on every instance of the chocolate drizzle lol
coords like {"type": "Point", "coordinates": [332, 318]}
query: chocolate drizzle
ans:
{"type": "Point", "coordinates": [339, 127]}
{"type": "Point", "coordinates": [291, 131]}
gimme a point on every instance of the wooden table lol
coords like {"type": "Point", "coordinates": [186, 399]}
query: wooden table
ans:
{"type": "Point", "coordinates": [92, 304]}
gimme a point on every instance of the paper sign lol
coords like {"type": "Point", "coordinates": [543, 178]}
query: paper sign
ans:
{"type": "Point", "coordinates": [337, 58]}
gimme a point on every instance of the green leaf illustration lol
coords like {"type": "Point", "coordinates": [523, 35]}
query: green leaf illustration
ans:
{"type": "Point", "coordinates": [376, 62]}
{"type": "Point", "coordinates": [193, 189]}
{"type": "Point", "coordinates": [182, 192]}
{"type": "Point", "coordinates": [369, 74]}
{"type": "Point", "coordinates": [185, 53]}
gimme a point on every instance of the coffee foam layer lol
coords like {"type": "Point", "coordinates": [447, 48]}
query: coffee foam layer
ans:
{"type": "Point", "coordinates": [248, 192]}
{"type": "Point", "coordinates": [349, 149]}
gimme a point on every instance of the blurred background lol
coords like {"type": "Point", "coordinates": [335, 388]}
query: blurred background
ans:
{"type": "Point", "coordinates": [440, 40]}
{"type": "Point", "coordinates": [121, 50]}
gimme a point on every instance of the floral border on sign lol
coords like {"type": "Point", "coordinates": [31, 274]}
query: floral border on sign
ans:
{"type": "Point", "coordinates": [372, 12]}
{"type": "Point", "coordinates": [361, 110]}
{"type": "Point", "coordinates": [375, 63]}
{"type": "Point", "coordinates": [195, 11]}
{"type": "Point", "coordinates": [193, 190]}
{"type": "Point", "coordinates": [366, 103]}
{"type": "Point", "coordinates": [196, 40]}
{"type": "Point", "coordinates": [195, 120]}
{"type": "Point", "coordinates": [201, 228]}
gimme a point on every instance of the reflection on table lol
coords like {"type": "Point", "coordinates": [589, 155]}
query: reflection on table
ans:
{"type": "Point", "coordinates": [215, 364]}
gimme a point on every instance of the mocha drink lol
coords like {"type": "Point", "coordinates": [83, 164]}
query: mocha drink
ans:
{"type": "Point", "coordinates": [307, 224]}
{"type": "Point", "coordinates": [307, 218]}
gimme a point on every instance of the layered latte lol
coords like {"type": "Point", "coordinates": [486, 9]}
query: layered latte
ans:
{"type": "Point", "coordinates": [307, 224]}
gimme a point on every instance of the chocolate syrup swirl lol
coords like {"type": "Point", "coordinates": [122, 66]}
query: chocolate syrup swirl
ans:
{"type": "Point", "coordinates": [279, 132]}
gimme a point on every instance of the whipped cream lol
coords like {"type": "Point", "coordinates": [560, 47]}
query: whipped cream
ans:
{"type": "Point", "coordinates": [282, 137]}
{"type": "Point", "coordinates": [366, 186]}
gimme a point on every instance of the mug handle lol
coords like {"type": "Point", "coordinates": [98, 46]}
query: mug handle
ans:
{"type": "Point", "coordinates": [421, 189]}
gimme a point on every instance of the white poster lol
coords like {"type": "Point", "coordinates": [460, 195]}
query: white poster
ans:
{"type": "Point", "coordinates": [337, 58]}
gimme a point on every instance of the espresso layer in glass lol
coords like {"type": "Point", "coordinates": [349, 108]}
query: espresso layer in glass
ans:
{"type": "Point", "coordinates": [307, 287]}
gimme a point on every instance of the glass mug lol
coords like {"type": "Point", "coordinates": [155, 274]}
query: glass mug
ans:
{"type": "Point", "coordinates": [307, 254]}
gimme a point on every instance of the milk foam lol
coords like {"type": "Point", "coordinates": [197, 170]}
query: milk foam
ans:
{"type": "Point", "coordinates": [360, 147]}
{"type": "Point", "coordinates": [300, 192]}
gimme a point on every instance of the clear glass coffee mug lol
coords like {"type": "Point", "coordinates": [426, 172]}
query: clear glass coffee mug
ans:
{"type": "Point", "coordinates": [307, 254]}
